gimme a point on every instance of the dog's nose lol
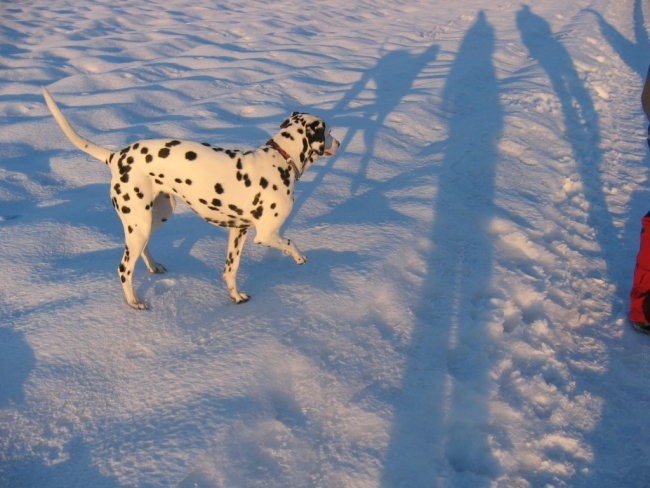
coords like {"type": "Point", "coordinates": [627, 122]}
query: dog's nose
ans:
{"type": "Point", "coordinates": [333, 148]}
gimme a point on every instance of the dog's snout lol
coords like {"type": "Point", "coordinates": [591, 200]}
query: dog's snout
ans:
{"type": "Point", "coordinates": [333, 147]}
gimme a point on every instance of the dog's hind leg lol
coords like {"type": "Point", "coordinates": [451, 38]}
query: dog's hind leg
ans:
{"type": "Point", "coordinates": [236, 240]}
{"type": "Point", "coordinates": [136, 242]}
{"type": "Point", "coordinates": [162, 209]}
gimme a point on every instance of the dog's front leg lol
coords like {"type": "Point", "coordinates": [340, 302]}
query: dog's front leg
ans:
{"type": "Point", "coordinates": [152, 265]}
{"type": "Point", "coordinates": [236, 240]}
{"type": "Point", "coordinates": [276, 241]}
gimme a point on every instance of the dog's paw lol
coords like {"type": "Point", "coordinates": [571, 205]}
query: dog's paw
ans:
{"type": "Point", "coordinates": [301, 259]}
{"type": "Point", "coordinates": [138, 305]}
{"type": "Point", "coordinates": [156, 268]}
{"type": "Point", "coordinates": [239, 297]}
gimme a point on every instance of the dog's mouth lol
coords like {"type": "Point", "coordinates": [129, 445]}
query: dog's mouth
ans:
{"type": "Point", "coordinates": [331, 151]}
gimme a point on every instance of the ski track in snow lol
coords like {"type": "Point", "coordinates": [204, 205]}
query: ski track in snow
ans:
{"type": "Point", "coordinates": [461, 319]}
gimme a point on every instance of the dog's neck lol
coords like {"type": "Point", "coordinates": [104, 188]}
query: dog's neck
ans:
{"type": "Point", "coordinates": [286, 156]}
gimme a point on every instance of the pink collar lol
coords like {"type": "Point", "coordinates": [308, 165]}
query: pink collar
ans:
{"type": "Point", "coordinates": [286, 156]}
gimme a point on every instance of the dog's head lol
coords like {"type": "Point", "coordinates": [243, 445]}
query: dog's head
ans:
{"type": "Point", "coordinates": [314, 135]}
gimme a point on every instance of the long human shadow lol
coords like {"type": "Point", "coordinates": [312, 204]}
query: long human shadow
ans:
{"type": "Point", "coordinates": [440, 427]}
{"type": "Point", "coordinates": [616, 421]}
{"type": "Point", "coordinates": [393, 76]}
{"type": "Point", "coordinates": [633, 53]}
{"type": "Point", "coordinates": [581, 122]}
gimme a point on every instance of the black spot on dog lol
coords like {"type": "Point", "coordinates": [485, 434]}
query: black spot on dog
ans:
{"type": "Point", "coordinates": [218, 188]}
{"type": "Point", "coordinates": [257, 213]}
{"type": "Point", "coordinates": [236, 209]}
{"type": "Point", "coordinates": [172, 143]}
{"type": "Point", "coordinates": [164, 152]}
{"type": "Point", "coordinates": [130, 229]}
{"type": "Point", "coordinates": [190, 155]}
{"type": "Point", "coordinates": [285, 174]}
{"type": "Point", "coordinates": [125, 209]}
{"type": "Point", "coordinates": [149, 158]}
{"type": "Point", "coordinates": [188, 182]}
{"type": "Point", "coordinates": [144, 150]}
{"type": "Point", "coordinates": [216, 202]}
{"type": "Point", "coordinates": [264, 182]}
{"type": "Point", "coordinates": [123, 169]}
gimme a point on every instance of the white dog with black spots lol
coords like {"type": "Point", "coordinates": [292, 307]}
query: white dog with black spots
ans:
{"type": "Point", "coordinates": [228, 188]}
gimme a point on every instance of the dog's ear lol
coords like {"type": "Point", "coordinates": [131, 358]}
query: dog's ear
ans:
{"type": "Point", "coordinates": [295, 117]}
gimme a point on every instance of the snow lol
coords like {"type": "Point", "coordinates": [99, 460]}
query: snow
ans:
{"type": "Point", "coordinates": [461, 321]}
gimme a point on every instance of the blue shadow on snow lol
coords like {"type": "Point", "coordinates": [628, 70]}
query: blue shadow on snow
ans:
{"type": "Point", "coordinates": [440, 427]}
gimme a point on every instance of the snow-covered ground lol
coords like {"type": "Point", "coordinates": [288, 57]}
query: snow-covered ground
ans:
{"type": "Point", "coordinates": [461, 321]}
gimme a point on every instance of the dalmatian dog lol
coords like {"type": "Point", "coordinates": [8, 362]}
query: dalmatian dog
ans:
{"type": "Point", "coordinates": [226, 187]}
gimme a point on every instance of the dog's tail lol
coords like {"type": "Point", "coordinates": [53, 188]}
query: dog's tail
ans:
{"type": "Point", "coordinates": [85, 145]}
